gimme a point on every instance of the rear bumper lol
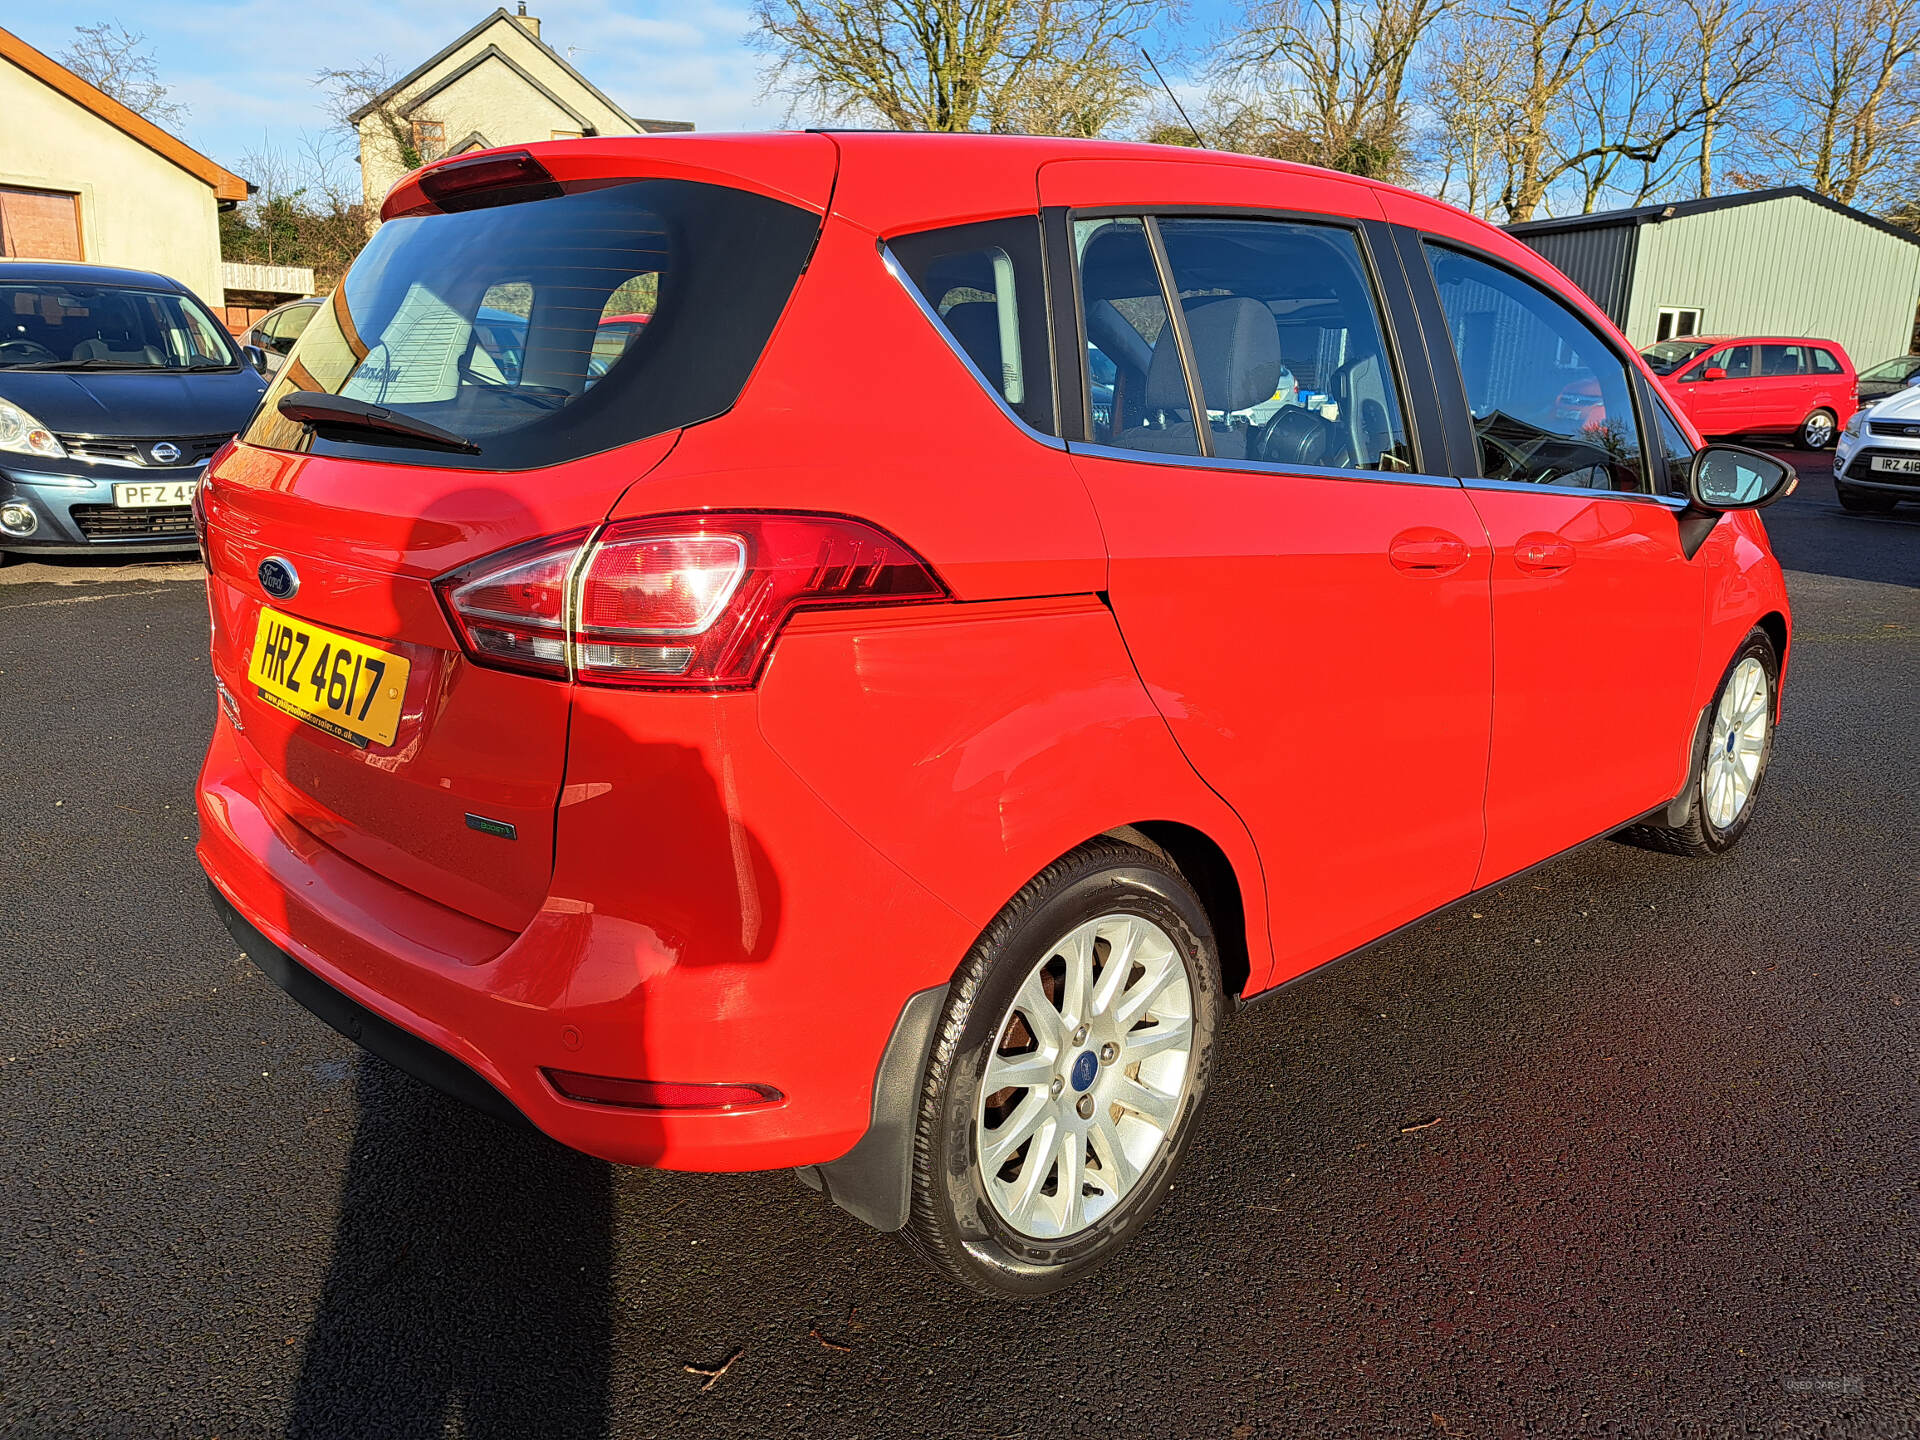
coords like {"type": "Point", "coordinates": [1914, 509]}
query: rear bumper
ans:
{"type": "Point", "coordinates": [482, 1012]}
{"type": "Point", "coordinates": [367, 1028]}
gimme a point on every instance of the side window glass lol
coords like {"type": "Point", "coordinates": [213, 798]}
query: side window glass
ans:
{"type": "Point", "coordinates": [1778, 360]}
{"type": "Point", "coordinates": [1823, 361]}
{"type": "Point", "coordinates": [1737, 361]}
{"type": "Point", "coordinates": [985, 283]}
{"type": "Point", "coordinates": [1139, 391]}
{"type": "Point", "coordinates": [1287, 343]}
{"type": "Point", "coordinates": [1551, 401]}
{"type": "Point", "coordinates": [1678, 449]}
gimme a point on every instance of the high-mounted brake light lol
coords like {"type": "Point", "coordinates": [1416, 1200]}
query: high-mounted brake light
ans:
{"type": "Point", "coordinates": [682, 602]}
{"type": "Point", "coordinates": [482, 180]}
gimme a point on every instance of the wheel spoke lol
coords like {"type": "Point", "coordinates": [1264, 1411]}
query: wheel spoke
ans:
{"type": "Point", "coordinates": [1042, 1018]}
{"type": "Point", "coordinates": [1134, 1004]}
{"type": "Point", "coordinates": [1033, 1170]}
{"type": "Point", "coordinates": [1149, 1104]}
{"type": "Point", "coordinates": [1033, 1069]}
{"type": "Point", "coordinates": [1077, 988]}
{"type": "Point", "coordinates": [1072, 1154]}
{"type": "Point", "coordinates": [1117, 1171]}
{"type": "Point", "coordinates": [997, 1144]}
{"type": "Point", "coordinates": [1120, 955]}
{"type": "Point", "coordinates": [1163, 1035]}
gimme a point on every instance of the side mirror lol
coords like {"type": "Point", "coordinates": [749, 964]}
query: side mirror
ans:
{"type": "Point", "coordinates": [1714, 372]}
{"type": "Point", "coordinates": [256, 357]}
{"type": "Point", "coordinates": [1732, 477]}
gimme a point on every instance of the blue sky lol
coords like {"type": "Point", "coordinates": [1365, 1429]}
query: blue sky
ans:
{"type": "Point", "coordinates": [245, 67]}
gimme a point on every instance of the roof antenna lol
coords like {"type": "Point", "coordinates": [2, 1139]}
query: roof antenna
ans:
{"type": "Point", "coordinates": [1176, 100]}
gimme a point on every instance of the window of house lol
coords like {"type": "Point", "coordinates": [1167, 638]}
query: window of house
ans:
{"type": "Point", "coordinates": [1676, 322]}
{"type": "Point", "coordinates": [429, 137]}
{"type": "Point", "coordinates": [984, 282]}
{"type": "Point", "coordinates": [564, 135]}
{"type": "Point", "coordinates": [40, 224]}
{"type": "Point", "coordinates": [1551, 401]}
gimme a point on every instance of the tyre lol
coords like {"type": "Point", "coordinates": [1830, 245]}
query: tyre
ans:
{"type": "Point", "coordinates": [1730, 760]}
{"type": "Point", "coordinates": [1817, 430]}
{"type": "Point", "coordinates": [1070, 1062]}
{"type": "Point", "coordinates": [1865, 502]}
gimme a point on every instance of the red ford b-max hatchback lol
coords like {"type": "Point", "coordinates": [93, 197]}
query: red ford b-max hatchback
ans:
{"type": "Point", "coordinates": [835, 732]}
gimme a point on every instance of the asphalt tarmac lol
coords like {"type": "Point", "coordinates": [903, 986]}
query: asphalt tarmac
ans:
{"type": "Point", "coordinates": [1624, 1147]}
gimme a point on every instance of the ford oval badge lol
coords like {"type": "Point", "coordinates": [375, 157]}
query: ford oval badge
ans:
{"type": "Point", "coordinates": [278, 577]}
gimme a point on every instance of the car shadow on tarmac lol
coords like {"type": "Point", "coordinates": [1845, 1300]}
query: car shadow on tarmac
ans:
{"type": "Point", "coordinates": [469, 1290]}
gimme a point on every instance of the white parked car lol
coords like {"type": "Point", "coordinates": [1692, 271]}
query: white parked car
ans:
{"type": "Point", "coordinates": [1876, 462]}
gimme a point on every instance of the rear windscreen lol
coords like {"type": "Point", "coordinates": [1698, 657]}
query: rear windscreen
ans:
{"type": "Point", "coordinates": [550, 329]}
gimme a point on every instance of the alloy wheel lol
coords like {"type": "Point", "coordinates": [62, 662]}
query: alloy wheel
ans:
{"type": "Point", "coordinates": [1738, 743]}
{"type": "Point", "coordinates": [1818, 431]}
{"type": "Point", "coordinates": [1088, 1074]}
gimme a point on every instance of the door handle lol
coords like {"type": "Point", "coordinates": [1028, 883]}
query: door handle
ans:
{"type": "Point", "coordinates": [1427, 552]}
{"type": "Point", "coordinates": [1542, 554]}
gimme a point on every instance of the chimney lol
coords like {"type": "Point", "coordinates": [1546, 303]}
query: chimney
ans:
{"type": "Point", "coordinates": [529, 23]}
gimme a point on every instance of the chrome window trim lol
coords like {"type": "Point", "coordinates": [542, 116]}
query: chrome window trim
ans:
{"type": "Point", "coordinates": [1262, 467]}
{"type": "Point", "coordinates": [1580, 492]}
{"type": "Point", "coordinates": [899, 273]}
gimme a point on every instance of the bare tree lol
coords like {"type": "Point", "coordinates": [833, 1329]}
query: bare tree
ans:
{"type": "Point", "coordinates": [1329, 79]}
{"type": "Point", "coordinates": [365, 87]}
{"type": "Point", "coordinates": [1037, 66]}
{"type": "Point", "coordinates": [1850, 127]}
{"type": "Point", "coordinates": [1467, 89]}
{"type": "Point", "coordinates": [118, 62]}
{"type": "Point", "coordinates": [1626, 110]}
{"type": "Point", "coordinates": [1734, 44]}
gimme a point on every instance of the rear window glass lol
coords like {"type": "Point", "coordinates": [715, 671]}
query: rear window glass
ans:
{"type": "Point", "coordinates": [550, 329]}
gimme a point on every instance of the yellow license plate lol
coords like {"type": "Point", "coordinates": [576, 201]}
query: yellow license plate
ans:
{"type": "Point", "coordinates": [346, 687]}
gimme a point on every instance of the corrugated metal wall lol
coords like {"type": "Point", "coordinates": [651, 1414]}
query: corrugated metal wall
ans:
{"type": "Point", "coordinates": [1599, 261]}
{"type": "Point", "coordinates": [1780, 267]}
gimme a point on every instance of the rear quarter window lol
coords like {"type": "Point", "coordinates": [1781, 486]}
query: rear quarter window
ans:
{"type": "Point", "coordinates": [986, 288]}
{"type": "Point", "coordinates": [551, 329]}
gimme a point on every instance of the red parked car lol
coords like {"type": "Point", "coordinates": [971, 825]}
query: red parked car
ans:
{"type": "Point", "coordinates": [1759, 385]}
{"type": "Point", "coordinates": [827, 739]}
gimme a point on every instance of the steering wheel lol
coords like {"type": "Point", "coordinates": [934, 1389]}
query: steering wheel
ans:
{"type": "Point", "coordinates": [1515, 461]}
{"type": "Point", "coordinates": [23, 352]}
{"type": "Point", "coordinates": [1297, 436]}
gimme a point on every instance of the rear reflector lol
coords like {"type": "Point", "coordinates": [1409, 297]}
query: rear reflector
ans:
{"type": "Point", "coordinates": [686, 602]}
{"type": "Point", "coordinates": [658, 1094]}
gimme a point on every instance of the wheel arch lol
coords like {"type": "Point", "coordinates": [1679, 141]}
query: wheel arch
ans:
{"type": "Point", "coordinates": [1206, 866]}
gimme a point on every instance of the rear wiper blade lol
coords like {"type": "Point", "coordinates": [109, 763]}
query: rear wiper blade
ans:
{"type": "Point", "coordinates": [339, 412]}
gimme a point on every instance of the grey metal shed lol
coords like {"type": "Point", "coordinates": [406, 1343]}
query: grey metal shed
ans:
{"type": "Point", "coordinates": [1764, 262]}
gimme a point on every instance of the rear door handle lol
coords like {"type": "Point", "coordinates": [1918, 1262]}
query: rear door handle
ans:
{"type": "Point", "coordinates": [1428, 552]}
{"type": "Point", "coordinates": [1542, 554]}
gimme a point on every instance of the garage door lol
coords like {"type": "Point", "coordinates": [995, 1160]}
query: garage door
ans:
{"type": "Point", "coordinates": [39, 224]}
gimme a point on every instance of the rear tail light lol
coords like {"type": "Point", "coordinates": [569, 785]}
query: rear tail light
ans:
{"type": "Point", "coordinates": [511, 609]}
{"type": "Point", "coordinates": [658, 1094]}
{"type": "Point", "coordinates": [674, 602]}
